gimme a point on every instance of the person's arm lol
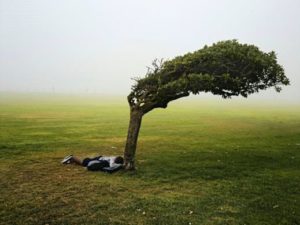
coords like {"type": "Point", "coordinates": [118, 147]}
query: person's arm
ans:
{"type": "Point", "coordinates": [112, 161]}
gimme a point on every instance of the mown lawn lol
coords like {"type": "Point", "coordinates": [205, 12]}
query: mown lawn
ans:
{"type": "Point", "coordinates": [199, 162]}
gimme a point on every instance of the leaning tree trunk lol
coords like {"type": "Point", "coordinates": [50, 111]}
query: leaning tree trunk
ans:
{"type": "Point", "coordinates": [132, 137]}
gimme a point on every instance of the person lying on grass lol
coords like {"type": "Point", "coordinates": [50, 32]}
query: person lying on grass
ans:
{"type": "Point", "coordinates": [99, 163]}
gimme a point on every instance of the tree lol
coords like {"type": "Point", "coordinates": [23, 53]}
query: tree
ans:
{"type": "Point", "coordinates": [226, 68]}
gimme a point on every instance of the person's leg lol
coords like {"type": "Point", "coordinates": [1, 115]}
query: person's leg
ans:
{"type": "Point", "coordinates": [76, 160]}
{"type": "Point", "coordinates": [86, 161]}
{"type": "Point", "coordinates": [96, 158]}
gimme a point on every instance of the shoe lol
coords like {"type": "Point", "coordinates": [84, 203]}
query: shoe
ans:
{"type": "Point", "coordinates": [67, 159]}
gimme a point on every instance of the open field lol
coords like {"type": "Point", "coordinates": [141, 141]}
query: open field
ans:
{"type": "Point", "coordinates": [199, 162]}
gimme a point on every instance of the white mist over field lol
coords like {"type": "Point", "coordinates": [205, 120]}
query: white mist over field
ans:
{"type": "Point", "coordinates": [89, 46]}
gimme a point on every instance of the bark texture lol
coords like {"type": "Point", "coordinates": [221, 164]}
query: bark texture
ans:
{"type": "Point", "coordinates": [132, 137]}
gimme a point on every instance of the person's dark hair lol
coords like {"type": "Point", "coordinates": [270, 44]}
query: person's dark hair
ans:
{"type": "Point", "coordinates": [119, 160]}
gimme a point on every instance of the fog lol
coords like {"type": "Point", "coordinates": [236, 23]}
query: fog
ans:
{"type": "Point", "coordinates": [87, 46]}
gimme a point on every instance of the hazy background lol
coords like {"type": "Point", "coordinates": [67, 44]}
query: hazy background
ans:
{"type": "Point", "coordinates": [87, 46]}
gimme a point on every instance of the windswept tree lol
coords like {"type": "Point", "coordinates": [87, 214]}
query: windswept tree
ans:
{"type": "Point", "coordinates": [226, 68]}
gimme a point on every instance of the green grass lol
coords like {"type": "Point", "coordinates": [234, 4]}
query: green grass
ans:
{"type": "Point", "coordinates": [199, 162]}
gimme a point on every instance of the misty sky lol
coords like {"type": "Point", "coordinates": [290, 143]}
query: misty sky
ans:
{"type": "Point", "coordinates": [96, 46]}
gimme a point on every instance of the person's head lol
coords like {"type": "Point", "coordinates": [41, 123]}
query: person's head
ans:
{"type": "Point", "coordinates": [119, 160]}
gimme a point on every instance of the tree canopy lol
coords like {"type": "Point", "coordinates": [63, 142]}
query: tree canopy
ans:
{"type": "Point", "coordinates": [226, 68]}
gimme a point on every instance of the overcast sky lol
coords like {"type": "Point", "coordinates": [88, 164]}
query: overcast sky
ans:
{"type": "Point", "coordinates": [97, 46]}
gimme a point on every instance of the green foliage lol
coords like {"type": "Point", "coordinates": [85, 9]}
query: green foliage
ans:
{"type": "Point", "coordinates": [226, 68]}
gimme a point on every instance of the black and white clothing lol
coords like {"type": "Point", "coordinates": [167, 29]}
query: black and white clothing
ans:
{"type": "Point", "coordinates": [101, 163]}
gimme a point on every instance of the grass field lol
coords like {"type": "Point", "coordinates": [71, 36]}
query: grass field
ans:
{"type": "Point", "coordinates": [199, 162]}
